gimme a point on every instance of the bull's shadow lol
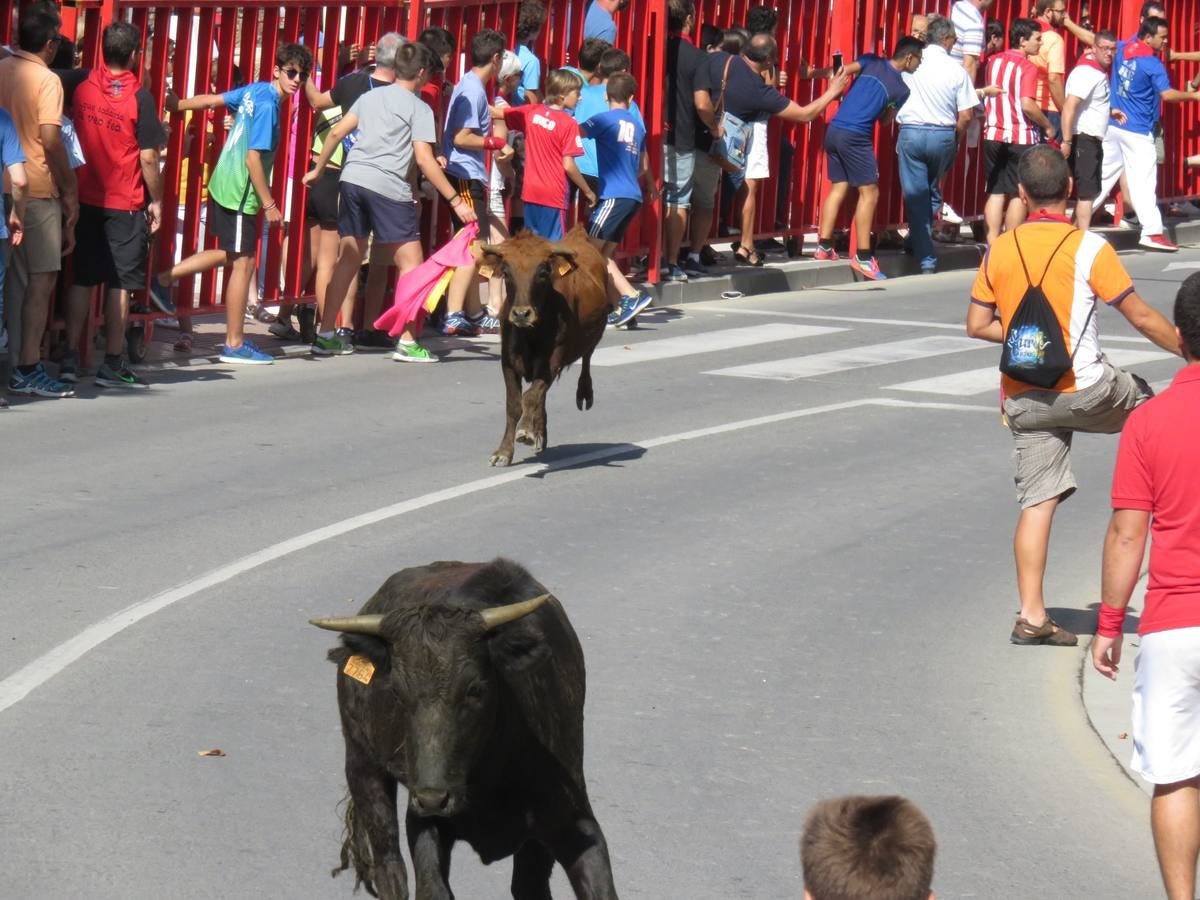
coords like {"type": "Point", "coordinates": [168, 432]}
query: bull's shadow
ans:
{"type": "Point", "coordinates": [564, 457]}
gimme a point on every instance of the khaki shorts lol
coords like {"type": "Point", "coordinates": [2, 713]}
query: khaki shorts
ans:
{"type": "Point", "coordinates": [40, 249]}
{"type": "Point", "coordinates": [706, 178]}
{"type": "Point", "coordinates": [1043, 422]}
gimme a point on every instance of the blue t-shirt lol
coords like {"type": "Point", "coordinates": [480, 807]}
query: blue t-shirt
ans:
{"type": "Point", "coordinates": [593, 100]}
{"type": "Point", "coordinates": [619, 137]}
{"type": "Point", "coordinates": [468, 108]}
{"type": "Point", "coordinates": [1136, 89]}
{"type": "Point", "coordinates": [255, 127]}
{"type": "Point", "coordinates": [877, 87]}
{"type": "Point", "coordinates": [10, 154]}
{"type": "Point", "coordinates": [598, 23]}
{"type": "Point", "coordinates": [531, 72]}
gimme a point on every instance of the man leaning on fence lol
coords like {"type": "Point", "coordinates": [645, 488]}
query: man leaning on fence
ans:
{"type": "Point", "coordinates": [1074, 270]}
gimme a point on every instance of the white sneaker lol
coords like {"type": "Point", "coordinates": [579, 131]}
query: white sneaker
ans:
{"type": "Point", "coordinates": [950, 216]}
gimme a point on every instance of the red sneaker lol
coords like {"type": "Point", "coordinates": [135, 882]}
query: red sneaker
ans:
{"type": "Point", "coordinates": [821, 254]}
{"type": "Point", "coordinates": [1157, 242]}
{"type": "Point", "coordinates": [869, 269]}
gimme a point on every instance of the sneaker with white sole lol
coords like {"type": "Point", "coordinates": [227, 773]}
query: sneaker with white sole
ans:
{"type": "Point", "coordinates": [413, 352]}
{"type": "Point", "coordinates": [120, 376]}
{"type": "Point", "coordinates": [1157, 242]}
{"type": "Point", "coordinates": [868, 268]}
{"type": "Point", "coordinates": [68, 368]}
{"type": "Point", "coordinates": [628, 310]}
{"type": "Point", "coordinates": [245, 355]}
{"type": "Point", "coordinates": [949, 216]}
{"type": "Point", "coordinates": [38, 384]}
{"type": "Point", "coordinates": [160, 296]}
{"type": "Point", "coordinates": [330, 346]}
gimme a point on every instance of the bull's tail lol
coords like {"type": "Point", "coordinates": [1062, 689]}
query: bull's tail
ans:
{"type": "Point", "coordinates": [356, 850]}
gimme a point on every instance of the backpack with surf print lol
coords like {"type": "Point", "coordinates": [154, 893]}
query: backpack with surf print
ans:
{"type": "Point", "coordinates": [1035, 349]}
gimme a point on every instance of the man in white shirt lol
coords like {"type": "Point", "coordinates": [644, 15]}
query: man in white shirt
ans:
{"type": "Point", "coordinates": [1085, 118]}
{"type": "Point", "coordinates": [967, 16]}
{"type": "Point", "coordinates": [940, 105]}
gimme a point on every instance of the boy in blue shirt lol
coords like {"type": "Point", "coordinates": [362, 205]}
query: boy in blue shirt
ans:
{"type": "Point", "coordinates": [878, 92]}
{"type": "Point", "coordinates": [12, 163]}
{"type": "Point", "coordinates": [530, 20]}
{"type": "Point", "coordinates": [625, 177]}
{"type": "Point", "coordinates": [238, 190]}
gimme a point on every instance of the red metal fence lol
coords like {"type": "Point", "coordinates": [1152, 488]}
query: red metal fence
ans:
{"type": "Point", "coordinates": [204, 31]}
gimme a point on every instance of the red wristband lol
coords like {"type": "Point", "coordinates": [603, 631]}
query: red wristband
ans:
{"type": "Point", "coordinates": [1112, 620]}
{"type": "Point", "coordinates": [493, 143]}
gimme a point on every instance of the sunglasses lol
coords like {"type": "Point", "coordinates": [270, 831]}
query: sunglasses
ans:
{"type": "Point", "coordinates": [293, 74]}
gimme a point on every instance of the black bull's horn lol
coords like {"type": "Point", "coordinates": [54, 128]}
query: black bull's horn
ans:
{"type": "Point", "coordinates": [492, 618]}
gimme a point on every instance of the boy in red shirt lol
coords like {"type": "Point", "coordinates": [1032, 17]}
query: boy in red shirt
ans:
{"type": "Point", "coordinates": [552, 142]}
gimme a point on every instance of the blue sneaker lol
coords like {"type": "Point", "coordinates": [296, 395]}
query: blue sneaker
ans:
{"type": "Point", "coordinates": [672, 273]}
{"type": "Point", "coordinates": [629, 308]}
{"type": "Point", "coordinates": [160, 296]}
{"type": "Point", "coordinates": [245, 355]}
{"type": "Point", "coordinates": [456, 323]}
{"type": "Point", "coordinates": [38, 384]}
{"type": "Point", "coordinates": [486, 323]}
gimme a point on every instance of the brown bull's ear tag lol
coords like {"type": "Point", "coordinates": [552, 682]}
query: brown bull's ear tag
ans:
{"type": "Point", "coordinates": [487, 270]}
{"type": "Point", "coordinates": [360, 668]}
{"type": "Point", "coordinates": [564, 267]}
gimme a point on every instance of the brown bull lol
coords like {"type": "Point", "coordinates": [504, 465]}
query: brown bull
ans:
{"type": "Point", "coordinates": [554, 314]}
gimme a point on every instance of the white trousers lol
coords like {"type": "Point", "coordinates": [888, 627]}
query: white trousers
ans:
{"type": "Point", "coordinates": [1135, 153]}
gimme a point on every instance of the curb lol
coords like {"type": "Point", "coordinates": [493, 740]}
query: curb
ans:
{"type": "Point", "coordinates": [806, 274]}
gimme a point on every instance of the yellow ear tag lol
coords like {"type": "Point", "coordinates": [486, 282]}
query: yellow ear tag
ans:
{"type": "Point", "coordinates": [564, 267]}
{"type": "Point", "coordinates": [360, 669]}
{"type": "Point", "coordinates": [486, 270]}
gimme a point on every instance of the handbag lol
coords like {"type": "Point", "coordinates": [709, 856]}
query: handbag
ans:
{"type": "Point", "coordinates": [1035, 349]}
{"type": "Point", "coordinates": [729, 150]}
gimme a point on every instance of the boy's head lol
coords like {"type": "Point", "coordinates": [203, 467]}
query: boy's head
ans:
{"type": "Point", "coordinates": [292, 65]}
{"type": "Point", "coordinates": [562, 88]}
{"type": "Point", "coordinates": [414, 61]}
{"type": "Point", "coordinates": [994, 31]}
{"type": "Point", "coordinates": [530, 19]}
{"type": "Point", "coordinates": [1025, 35]}
{"type": "Point", "coordinates": [1187, 317]}
{"type": "Point", "coordinates": [441, 42]}
{"type": "Point", "coordinates": [590, 52]}
{"type": "Point", "coordinates": [620, 88]}
{"type": "Point", "coordinates": [614, 60]}
{"type": "Point", "coordinates": [907, 56]}
{"type": "Point", "coordinates": [867, 848]}
{"type": "Point", "coordinates": [710, 37]}
{"type": "Point", "coordinates": [486, 47]}
{"type": "Point", "coordinates": [508, 78]}
{"type": "Point", "coordinates": [118, 44]}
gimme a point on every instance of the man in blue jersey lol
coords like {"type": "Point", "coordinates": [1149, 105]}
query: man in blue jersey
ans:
{"type": "Point", "coordinates": [625, 177]}
{"type": "Point", "coordinates": [878, 92]}
{"type": "Point", "coordinates": [1140, 87]}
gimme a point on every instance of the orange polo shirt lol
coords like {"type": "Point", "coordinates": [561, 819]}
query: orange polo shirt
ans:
{"type": "Point", "coordinates": [33, 96]}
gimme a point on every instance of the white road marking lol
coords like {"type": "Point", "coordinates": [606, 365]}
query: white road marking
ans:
{"type": "Point", "coordinates": [979, 381]}
{"type": "Point", "coordinates": [852, 358]}
{"type": "Point", "coordinates": [27, 679]}
{"type": "Point", "coordinates": [705, 342]}
{"type": "Point", "coordinates": [1171, 267]}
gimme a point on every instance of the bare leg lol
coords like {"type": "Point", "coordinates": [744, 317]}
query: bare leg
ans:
{"type": "Point", "coordinates": [1175, 822]}
{"type": "Point", "coordinates": [1017, 211]}
{"type": "Point", "coordinates": [864, 217]}
{"type": "Point", "coordinates": [993, 215]}
{"type": "Point", "coordinates": [406, 258]}
{"type": "Point", "coordinates": [462, 294]}
{"type": "Point", "coordinates": [676, 225]}
{"type": "Point", "coordinates": [377, 280]}
{"type": "Point", "coordinates": [1083, 214]}
{"type": "Point", "coordinates": [700, 226]}
{"type": "Point", "coordinates": [343, 278]}
{"type": "Point", "coordinates": [203, 261]}
{"type": "Point", "coordinates": [829, 211]}
{"type": "Point", "coordinates": [1031, 545]}
{"type": "Point", "coordinates": [116, 315]}
{"type": "Point", "coordinates": [79, 299]}
{"type": "Point", "coordinates": [34, 310]}
{"type": "Point", "coordinates": [237, 288]}
{"type": "Point", "coordinates": [749, 214]}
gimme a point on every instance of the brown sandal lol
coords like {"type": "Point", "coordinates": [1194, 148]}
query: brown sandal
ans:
{"type": "Point", "coordinates": [1049, 632]}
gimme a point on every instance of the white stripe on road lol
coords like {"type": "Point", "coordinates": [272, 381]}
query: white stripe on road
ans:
{"type": "Point", "coordinates": [21, 683]}
{"type": "Point", "coordinates": [853, 358]}
{"type": "Point", "coordinates": [979, 381]}
{"type": "Point", "coordinates": [707, 342]}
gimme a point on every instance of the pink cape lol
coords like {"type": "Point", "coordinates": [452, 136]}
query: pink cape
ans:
{"type": "Point", "coordinates": [413, 288]}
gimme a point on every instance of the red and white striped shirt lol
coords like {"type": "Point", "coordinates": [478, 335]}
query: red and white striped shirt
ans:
{"type": "Point", "coordinates": [1017, 75]}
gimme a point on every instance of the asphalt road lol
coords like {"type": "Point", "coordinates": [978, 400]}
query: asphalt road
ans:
{"type": "Point", "coordinates": [792, 579]}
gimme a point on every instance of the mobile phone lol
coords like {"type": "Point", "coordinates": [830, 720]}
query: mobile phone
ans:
{"type": "Point", "coordinates": [837, 61]}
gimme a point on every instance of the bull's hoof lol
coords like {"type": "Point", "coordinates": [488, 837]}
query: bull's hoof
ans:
{"type": "Point", "coordinates": [525, 436]}
{"type": "Point", "coordinates": [501, 459]}
{"type": "Point", "coordinates": [539, 443]}
{"type": "Point", "coordinates": [583, 401]}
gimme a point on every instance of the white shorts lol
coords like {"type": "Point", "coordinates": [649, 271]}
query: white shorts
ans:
{"type": "Point", "coordinates": [1166, 706]}
{"type": "Point", "coordinates": [758, 163]}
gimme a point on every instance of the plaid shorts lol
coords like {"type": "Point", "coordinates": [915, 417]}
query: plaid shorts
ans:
{"type": "Point", "coordinates": [1043, 422]}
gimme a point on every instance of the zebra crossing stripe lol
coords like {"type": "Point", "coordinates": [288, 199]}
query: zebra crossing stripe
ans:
{"type": "Point", "coordinates": [853, 358]}
{"type": "Point", "coordinates": [705, 342]}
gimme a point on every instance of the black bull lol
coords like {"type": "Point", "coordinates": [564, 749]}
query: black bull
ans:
{"type": "Point", "coordinates": [475, 705]}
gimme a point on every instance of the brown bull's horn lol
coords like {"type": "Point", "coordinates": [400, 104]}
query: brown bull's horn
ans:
{"type": "Point", "coordinates": [499, 615]}
{"type": "Point", "coordinates": [351, 624]}
{"type": "Point", "coordinates": [560, 250]}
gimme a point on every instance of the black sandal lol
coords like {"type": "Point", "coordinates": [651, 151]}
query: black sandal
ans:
{"type": "Point", "coordinates": [747, 259]}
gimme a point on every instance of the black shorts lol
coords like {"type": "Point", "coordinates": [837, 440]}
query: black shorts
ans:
{"type": "Point", "coordinates": [472, 191]}
{"type": "Point", "coordinates": [321, 207]}
{"type": "Point", "coordinates": [1087, 160]}
{"type": "Point", "coordinates": [363, 212]}
{"type": "Point", "coordinates": [111, 248]}
{"type": "Point", "coordinates": [1001, 163]}
{"type": "Point", "coordinates": [235, 232]}
{"type": "Point", "coordinates": [611, 218]}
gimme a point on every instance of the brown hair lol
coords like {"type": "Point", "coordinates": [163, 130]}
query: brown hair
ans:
{"type": "Point", "coordinates": [561, 82]}
{"type": "Point", "coordinates": [867, 848]}
{"type": "Point", "coordinates": [621, 87]}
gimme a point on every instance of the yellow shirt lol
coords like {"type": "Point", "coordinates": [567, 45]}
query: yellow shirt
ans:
{"type": "Point", "coordinates": [1051, 60]}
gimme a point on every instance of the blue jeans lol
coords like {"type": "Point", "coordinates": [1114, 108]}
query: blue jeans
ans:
{"type": "Point", "coordinates": [926, 154]}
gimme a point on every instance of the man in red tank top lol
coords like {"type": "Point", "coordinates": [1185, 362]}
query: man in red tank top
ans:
{"type": "Point", "coordinates": [120, 135]}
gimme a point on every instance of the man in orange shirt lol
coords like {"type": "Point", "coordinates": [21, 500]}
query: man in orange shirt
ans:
{"type": "Point", "coordinates": [1076, 268]}
{"type": "Point", "coordinates": [1051, 60]}
{"type": "Point", "coordinates": [33, 96]}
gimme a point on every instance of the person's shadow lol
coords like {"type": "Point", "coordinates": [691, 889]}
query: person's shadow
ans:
{"type": "Point", "coordinates": [1083, 621]}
